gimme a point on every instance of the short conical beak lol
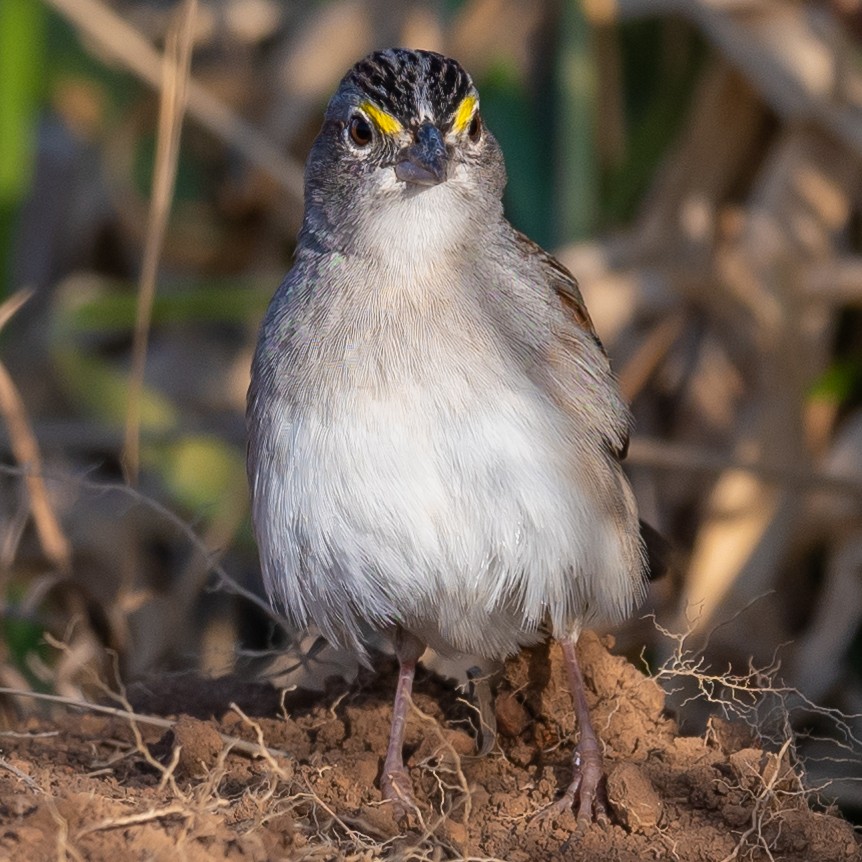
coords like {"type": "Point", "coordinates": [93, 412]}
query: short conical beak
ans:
{"type": "Point", "coordinates": [425, 162]}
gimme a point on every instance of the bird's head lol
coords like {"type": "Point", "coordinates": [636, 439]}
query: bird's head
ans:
{"type": "Point", "coordinates": [403, 138]}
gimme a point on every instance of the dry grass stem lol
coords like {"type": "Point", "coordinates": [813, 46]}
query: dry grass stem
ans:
{"type": "Point", "coordinates": [136, 819]}
{"type": "Point", "coordinates": [10, 306]}
{"type": "Point", "coordinates": [663, 455]}
{"type": "Point", "coordinates": [172, 105]}
{"type": "Point", "coordinates": [240, 745]}
{"type": "Point", "coordinates": [652, 351]}
{"type": "Point", "coordinates": [22, 776]}
{"type": "Point", "coordinates": [26, 451]}
{"type": "Point", "coordinates": [64, 849]}
{"type": "Point", "coordinates": [124, 44]}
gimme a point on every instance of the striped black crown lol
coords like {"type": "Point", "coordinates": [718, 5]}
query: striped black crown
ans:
{"type": "Point", "coordinates": [411, 85]}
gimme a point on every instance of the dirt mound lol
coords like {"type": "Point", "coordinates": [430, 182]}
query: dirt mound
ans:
{"type": "Point", "coordinates": [87, 787]}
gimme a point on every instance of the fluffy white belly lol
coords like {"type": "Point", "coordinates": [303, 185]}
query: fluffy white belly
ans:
{"type": "Point", "coordinates": [464, 520]}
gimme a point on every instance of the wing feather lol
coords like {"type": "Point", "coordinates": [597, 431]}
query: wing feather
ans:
{"type": "Point", "coordinates": [565, 285]}
{"type": "Point", "coordinates": [563, 282]}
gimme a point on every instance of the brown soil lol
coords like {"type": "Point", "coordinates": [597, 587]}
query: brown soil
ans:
{"type": "Point", "coordinates": [81, 787]}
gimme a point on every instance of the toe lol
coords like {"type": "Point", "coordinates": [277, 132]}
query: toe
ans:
{"type": "Point", "coordinates": [397, 788]}
{"type": "Point", "coordinates": [586, 794]}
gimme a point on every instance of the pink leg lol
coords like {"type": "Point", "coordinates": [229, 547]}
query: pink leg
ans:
{"type": "Point", "coordinates": [395, 784]}
{"type": "Point", "coordinates": [587, 787]}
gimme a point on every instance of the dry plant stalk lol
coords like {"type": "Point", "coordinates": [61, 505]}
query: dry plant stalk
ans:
{"type": "Point", "coordinates": [175, 810]}
{"type": "Point", "coordinates": [175, 76]}
{"type": "Point", "coordinates": [694, 460]}
{"type": "Point", "coordinates": [26, 451]}
{"type": "Point", "coordinates": [126, 45]}
{"type": "Point", "coordinates": [650, 354]}
{"type": "Point", "coordinates": [235, 744]}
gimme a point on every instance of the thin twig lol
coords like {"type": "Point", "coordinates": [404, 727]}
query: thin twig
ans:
{"type": "Point", "coordinates": [15, 734]}
{"type": "Point", "coordinates": [4, 764]}
{"type": "Point", "coordinates": [226, 581]}
{"type": "Point", "coordinates": [261, 743]}
{"type": "Point", "coordinates": [175, 75]}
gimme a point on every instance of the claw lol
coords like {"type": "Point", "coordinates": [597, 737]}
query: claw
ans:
{"type": "Point", "coordinates": [480, 686]}
{"type": "Point", "coordinates": [587, 793]}
{"type": "Point", "coordinates": [397, 788]}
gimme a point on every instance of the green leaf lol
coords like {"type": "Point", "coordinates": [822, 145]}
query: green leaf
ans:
{"type": "Point", "coordinates": [840, 382]}
{"type": "Point", "coordinates": [94, 305]}
{"type": "Point", "coordinates": [21, 63]}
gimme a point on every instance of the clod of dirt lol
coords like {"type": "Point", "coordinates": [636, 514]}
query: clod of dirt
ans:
{"type": "Point", "coordinates": [444, 747]}
{"type": "Point", "coordinates": [748, 765]}
{"type": "Point", "coordinates": [199, 745]}
{"type": "Point", "coordinates": [729, 736]}
{"type": "Point", "coordinates": [633, 798]}
{"type": "Point", "coordinates": [512, 716]}
{"type": "Point", "coordinates": [828, 837]}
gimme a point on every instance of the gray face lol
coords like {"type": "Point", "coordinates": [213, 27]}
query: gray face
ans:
{"type": "Point", "coordinates": [402, 123]}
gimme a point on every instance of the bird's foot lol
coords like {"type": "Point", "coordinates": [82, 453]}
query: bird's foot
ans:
{"type": "Point", "coordinates": [588, 789]}
{"type": "Point", "coordinates": [397, 788]}
{"type": "Point", "coordinates": [480, 685]}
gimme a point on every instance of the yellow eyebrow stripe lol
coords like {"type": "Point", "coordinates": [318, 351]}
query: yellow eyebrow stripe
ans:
{"type": "Point", "coordinates": [383, 120]}
{"type": "Point", "coordinates": [464, 113]}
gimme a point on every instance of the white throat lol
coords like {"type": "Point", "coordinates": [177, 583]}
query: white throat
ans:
{"type": "Point", "coordinates": [416, 232]}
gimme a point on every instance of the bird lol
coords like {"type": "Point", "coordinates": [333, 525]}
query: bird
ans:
{"type": "Point", "coordinates": [435, 433]}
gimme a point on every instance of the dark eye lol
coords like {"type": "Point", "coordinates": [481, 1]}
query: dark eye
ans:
{"type": "Point", "coordinates": [474, 132]}
{"type": "Point", "coordinates": [360, 131]}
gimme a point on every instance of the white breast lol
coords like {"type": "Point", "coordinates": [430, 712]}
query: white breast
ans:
{"type": "Point", "coordinates": [445, 500]}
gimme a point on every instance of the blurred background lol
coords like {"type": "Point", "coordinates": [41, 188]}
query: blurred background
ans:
{"type": "Point", "coordinates": [695, 163]}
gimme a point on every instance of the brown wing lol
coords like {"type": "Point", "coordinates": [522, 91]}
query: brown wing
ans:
{"type": "Point", "coordinates": [566, 287]}
{"type": "Point", "coordinates": [563, 282]}
{"type": "Point", "coordinates": [658, 549]}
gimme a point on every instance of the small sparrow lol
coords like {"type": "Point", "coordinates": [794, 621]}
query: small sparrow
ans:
{"type": "Point", "coordinates": [435, 432]}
